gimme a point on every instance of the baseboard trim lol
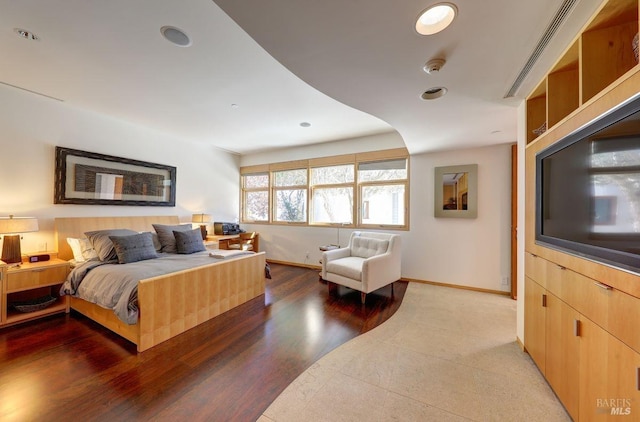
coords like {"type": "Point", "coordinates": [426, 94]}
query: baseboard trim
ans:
{"type": "Point", "coordinates": [411, 280]}
{"type": "Point", "coordinates": [457, 286]}
{"type": "Point", "coordinates": [295, 264]}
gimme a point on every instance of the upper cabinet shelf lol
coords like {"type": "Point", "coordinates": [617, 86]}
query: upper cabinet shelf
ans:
{"type": "Point", "coordinates": [599, 55]}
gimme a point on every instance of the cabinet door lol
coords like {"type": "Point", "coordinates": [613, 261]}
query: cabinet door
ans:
{"type": "Point", "coordinates": [563, 352]}
{"type": "Point", "coordinates": [534, 322]}
{"type": "Point", "coordinates": [609, 377]}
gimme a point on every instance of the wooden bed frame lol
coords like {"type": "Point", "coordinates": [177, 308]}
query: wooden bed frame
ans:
{"type": "Point", "coordinates": [171, 304]}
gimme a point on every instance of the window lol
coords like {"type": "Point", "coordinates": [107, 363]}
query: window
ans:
{"type": "Point", "coordinates": [332, 194]}
{"type": "Point", "coordinates": [367, 190]}
{"type": "Point", "coordinates": [382, 192]}
{"type": "Point", "coordinates": [255, 197]}
{"type": "Point", "coordinates": [290, 196]}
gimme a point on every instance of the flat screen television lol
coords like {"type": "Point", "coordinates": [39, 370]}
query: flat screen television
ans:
{"type": "Point", "coordinates": [588, 190]}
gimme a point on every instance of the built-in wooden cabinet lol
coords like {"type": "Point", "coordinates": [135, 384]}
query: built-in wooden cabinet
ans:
{"type": "Point", "coordinates": [600, 55]}
{"type": "Point", "coordinates": [582, 318]}
{"type": "Point", "coordinates": [583, 336]}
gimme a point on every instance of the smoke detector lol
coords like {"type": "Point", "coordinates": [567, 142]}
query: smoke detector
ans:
{"type": "Point", "coordinates": [27, 35]}
{"type": "Point", "coordinates": [433, 66]}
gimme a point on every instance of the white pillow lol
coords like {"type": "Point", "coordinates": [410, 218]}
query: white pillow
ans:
{"type": "Point", "coordinates": [82, 249]}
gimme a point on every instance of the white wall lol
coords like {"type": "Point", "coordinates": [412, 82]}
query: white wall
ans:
{"type": "Point", "coordinates": [32, 126]}
{"type": "Point", "coordinates": [469, 252]}
{"type": "Point", "coordinates": [381, 141]}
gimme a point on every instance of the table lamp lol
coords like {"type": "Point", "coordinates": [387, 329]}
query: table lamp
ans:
{"type": "Point", "coordinates": [203, 220]}
{"type": "Point", "coordinates": [11, 227]}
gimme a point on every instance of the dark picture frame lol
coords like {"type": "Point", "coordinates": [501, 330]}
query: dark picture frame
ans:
{"type": "Point", "coordinates": [89, 178]}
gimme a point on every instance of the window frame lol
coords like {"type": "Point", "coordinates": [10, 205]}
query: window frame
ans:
{"type": "Point", "coordinates": [352, 185]}
{"type": "Point", "coordinates": [274, 189]}
{"type": "Point", "coordinates": [357, 186]}
{"type": "Point", "coordinates": [254, 171]}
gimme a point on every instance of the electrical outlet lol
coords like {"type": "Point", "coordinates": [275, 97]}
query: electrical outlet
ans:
{"type": "Point", "coordinates": [306, 254]}
{"type": "Point", "coordinates": [505, 281]}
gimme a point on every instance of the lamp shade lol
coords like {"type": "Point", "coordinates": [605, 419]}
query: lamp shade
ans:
{"type": "Point", "coordinates": [11, 225]}
{"type": "Point", "coordinates": [201, 218]}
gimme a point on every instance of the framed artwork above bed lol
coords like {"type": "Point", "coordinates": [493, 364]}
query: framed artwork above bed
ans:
{"type": "Point", "coordinates": [89, 178]}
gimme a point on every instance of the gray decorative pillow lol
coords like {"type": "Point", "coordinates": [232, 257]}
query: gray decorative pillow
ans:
{"type": "Point", "coordinates": [166, 238]}
{"type": "Point", "coordinates": [156, 242]}
{"type": "Point", "coordinates": [134, 248]}
{"type": "Point", "coordinates": [102, 244]}
{"type": "Point", "coordinates": [189, 241]}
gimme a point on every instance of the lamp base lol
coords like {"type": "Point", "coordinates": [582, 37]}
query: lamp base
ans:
{"type": "Point", "coordinates": [203, 230]}
{"type": "Point", "coordinates": [11, 249]}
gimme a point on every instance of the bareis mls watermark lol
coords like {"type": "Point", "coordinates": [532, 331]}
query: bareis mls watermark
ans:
{"type": "Point", "coordinates": [621, 407]}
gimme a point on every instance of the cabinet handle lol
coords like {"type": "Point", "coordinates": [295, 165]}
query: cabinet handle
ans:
{"type": "Point", "coordinates": [602, 285]}
{"type": "Point", "coordinates": [544, 301]}
{"type": "Point", "coordinates": [38, 270]}
{"type": "Point", "coordinates": [638, 379]}
{"type": "Point", "coordinates": [561, 267]}
{"type": "Point", "coordinates": [576, 327]}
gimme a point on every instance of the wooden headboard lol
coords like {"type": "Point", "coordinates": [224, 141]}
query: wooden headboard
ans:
{"type": "Point", "coordinates": [77, 226]}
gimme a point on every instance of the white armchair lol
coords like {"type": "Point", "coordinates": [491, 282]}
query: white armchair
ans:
{"type": "Point", "coordinates": [371, 261]}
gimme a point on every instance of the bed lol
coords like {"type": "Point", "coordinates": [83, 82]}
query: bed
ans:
{"type": "Point", "coordinates": [173, 303]}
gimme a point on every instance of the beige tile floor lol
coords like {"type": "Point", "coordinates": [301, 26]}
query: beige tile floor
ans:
{"type": "Point", "coordinates": [446, 355]}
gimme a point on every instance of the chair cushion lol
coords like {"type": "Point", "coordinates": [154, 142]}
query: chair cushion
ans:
{"type": "Point", "coordinates": [350, 267]}
{"type": "Point", "coordinates": [366, 247]}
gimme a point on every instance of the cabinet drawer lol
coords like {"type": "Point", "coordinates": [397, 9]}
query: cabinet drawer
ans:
{"type": "Point", "coordinates": [556, 277]}
{"type": "Point", "coordinates": [609, 308]}
{"type": "Point", "coordinates": [535, 268]}
{"type": "Point", "coordinates": [35, 277]}
{"type": "Point", "coordinates": [590, 298]}
{"type": "Point", "coordinates": [624, 313]}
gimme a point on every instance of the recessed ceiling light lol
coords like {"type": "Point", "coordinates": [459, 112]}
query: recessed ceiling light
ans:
{"type": "Point", "coordinates": [433, 93]}
{"type": "Point", "coordinates": [235, 106]}
{"type": "Point", "coordinates": [305, 124]}
{"type": "Point", "coordinates": [436, 18]}
{"type": "Point", "coordinates": [26, 34]}
{"type": "Point", "coordinates": [175, 36]}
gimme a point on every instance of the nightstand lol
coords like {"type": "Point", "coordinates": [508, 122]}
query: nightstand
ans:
{"type": "Point", "coordinates": [210, 244]}
{"type": "Point", "coordinates": [31, 281]}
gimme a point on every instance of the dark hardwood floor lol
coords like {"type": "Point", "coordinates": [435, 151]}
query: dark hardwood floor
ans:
{"type": "Point", "coordinates": [67, 367]}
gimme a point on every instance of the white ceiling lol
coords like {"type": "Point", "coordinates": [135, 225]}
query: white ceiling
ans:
{"type": "Point", "coordinates": [109, 57]}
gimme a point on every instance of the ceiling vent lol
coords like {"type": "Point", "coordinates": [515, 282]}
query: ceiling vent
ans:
{"type": "Point", "coordinates": [176, 36]}
{"type": "Point", "coordinates": [434, 93]}
{"type": "Point", "coordinates": [557, 21]}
